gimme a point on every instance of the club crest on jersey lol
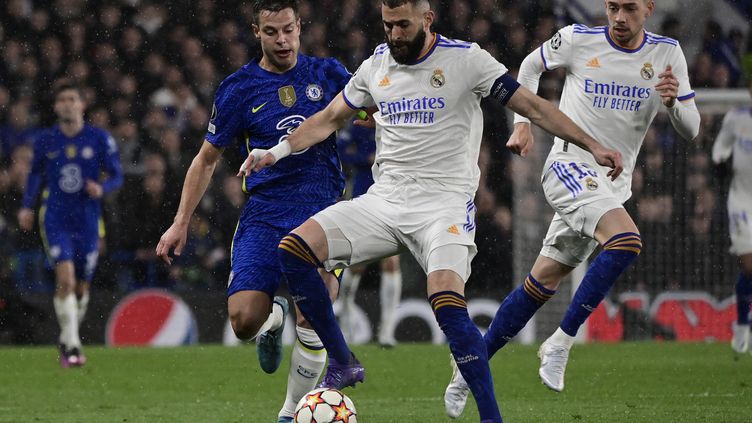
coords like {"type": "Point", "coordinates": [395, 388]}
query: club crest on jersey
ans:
{"type": "Point", "coordinates": [647, 71]}
{"type": "Point", "coordinates": [556, 41]}
{"type": "Point", "coordinates": [87, 153]}
{"type": "Point", "coordinates": [437, 79]}
{"type": "Point", "coordinates": [287, 96]}
{"type": "Point", "coordinates": [71, 151]}
{"type": "Point", "coordinates": [591, 184]}
{"type": "Point", "coordinates": [314, 92]}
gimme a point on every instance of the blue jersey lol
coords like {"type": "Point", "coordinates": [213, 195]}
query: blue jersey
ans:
{"type": "Point", "coordinates": [357, 149]}
{"type": "Point", "coordinates": [262, 108]}
{"type": "Point", "coordinates": [63, 165]}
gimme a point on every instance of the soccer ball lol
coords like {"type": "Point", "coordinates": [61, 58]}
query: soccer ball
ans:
{"type": "Point", "coordinates": [325, 405]}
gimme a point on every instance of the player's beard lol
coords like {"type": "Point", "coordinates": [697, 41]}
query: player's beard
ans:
{"type": "Point", "coordinates": [407, 52]}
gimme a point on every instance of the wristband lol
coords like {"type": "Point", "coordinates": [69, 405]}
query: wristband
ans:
{"type": "Point", "coordinates": [281, 150]}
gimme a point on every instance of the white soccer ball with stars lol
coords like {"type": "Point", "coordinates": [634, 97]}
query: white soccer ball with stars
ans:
{"type": "Point", "coordinates": [325, 405]}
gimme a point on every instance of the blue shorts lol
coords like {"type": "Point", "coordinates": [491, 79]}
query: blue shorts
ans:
{"type": "Point", "coordinates": [80, 245]}
{"type": "Point", "coordinates": [262, 224]}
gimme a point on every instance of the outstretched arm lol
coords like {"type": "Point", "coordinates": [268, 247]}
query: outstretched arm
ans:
{"type": "Point", "coordinates": [531, 69]}
{"type": "Point", "coordinates": [548, 117]}
{"type": "Point", "coordinates": [314, 130]}
{"type": "Point", "coordinates": [196, 181]}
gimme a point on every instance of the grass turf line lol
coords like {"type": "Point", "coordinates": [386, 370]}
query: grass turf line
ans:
{"type": "Point", "coordinates": [630, 382]}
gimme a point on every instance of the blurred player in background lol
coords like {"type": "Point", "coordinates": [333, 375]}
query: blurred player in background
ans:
{"type": "Point", "coordinates": [735, 141]}
{"type": "Point", "coordinates": [617, 78]}
{"type": "Point", "coordinates": [69, 160]}
{"type": "Point", "coordinates": [356, 149]}
{"type": "Point", "coordinates": [427, 90]}
{"type": "Point", "coordinates": [259, 106]}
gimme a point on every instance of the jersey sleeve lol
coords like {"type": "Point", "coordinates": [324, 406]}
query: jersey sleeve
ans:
{"type": "Point", "coordinates": [356, 93]}
{"type": "Point", "coordinates": [227, 116]}
{"type": "Point", "coordinates": [111, 165]}
{"type": "Point", "coordinates": [557, 51]}
{"type": "Point", "coordinates": [484, 69]}
{"type": "Point", "coordinates": [724, 142]}
{"type": "Point", "coordinates": [337, 74]}
{"type": "Point", "coordinates": [679, 67]}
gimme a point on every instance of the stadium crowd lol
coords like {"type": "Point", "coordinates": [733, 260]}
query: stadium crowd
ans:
{"type": "Point", "coordinates": [150, 70]}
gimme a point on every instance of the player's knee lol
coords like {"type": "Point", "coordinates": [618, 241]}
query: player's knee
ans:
{"type": "Point", "coordinates": [293, 251]}
{"type": "Point", "coordinates": [745, 265]}
{"type": "Point", "coordinates": [245, 324]}
{"type": "Point", "coordinates": [628, 242]}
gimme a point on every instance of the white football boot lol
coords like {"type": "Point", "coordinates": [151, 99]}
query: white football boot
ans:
{"type": "Point", "coordinates": [553, 364]}
{"type": "Point", "coordinates": [740, 341]}
{"type": "Point", "coordinates": [455, 396]}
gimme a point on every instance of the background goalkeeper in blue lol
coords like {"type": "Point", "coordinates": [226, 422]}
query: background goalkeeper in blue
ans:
{"type": "Point", "coordinates": [69, 159]}
{"type": "Point", "coordinates": [259, 106]}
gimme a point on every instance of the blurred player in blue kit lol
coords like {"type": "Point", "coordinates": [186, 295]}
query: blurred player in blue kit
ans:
{"type": "Point", "coordinates": [259, 106]}
{"type": "Point", "coordinates": [357, 149]}
{"type": "Point", "coordinates": [69, 160]}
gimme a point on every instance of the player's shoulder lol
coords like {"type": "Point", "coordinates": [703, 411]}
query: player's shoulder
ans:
{"type": "Point", "coordinates": [584, 31]}
{"type": "Point", "coordinates": [454, 44]}
{"type": "Point", "coordinates": [740, 113]}
{"type": "Point", "coordinates": [327, 64]}
{"type": "Point", "coordinates": [238, 81]}
{"type": "Point", "coordinates": [660, 40]}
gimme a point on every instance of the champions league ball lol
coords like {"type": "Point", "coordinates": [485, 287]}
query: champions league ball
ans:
{"type": "Point", "coordinates": [325, 405]}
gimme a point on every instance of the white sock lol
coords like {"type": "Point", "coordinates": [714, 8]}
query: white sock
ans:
{"type": "Point", "coordinates": [349, 287]}
{"type": "Point", "coordinates": [275, 320]}
{"type": "Point", "coordinates": [67, 317]}
{"type": "Point", "coordinates": [306, 364]}
{"type": "Point", "coordinates": [390, 293]}
{"type": "Point", "coordinates": [83, 305]}
{"type": "Point", "coordinates": [561, 338]}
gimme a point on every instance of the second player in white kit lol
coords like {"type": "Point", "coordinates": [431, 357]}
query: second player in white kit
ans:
{"type": "Point", "coordinates": [426, 90]}
{"type": "Point", "coordinates": [618, 77]}
{"type": "Point", "coordinates": [735, 141]}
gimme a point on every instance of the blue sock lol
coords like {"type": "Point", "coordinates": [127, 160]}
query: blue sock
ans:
{"type": "Point", "coordinates": [743, 298]}
{"type": "Point", "coordinates": [514, 313]}
{"type": "Point", "coordinates": [468, 350]}
{"type": "Point", "coordinates": [309, 292]}
{"type": "Point", "coordinates": [618, 253]}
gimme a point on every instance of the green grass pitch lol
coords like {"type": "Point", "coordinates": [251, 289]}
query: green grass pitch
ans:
{"type": "Point", "coordinates": [630, 382]}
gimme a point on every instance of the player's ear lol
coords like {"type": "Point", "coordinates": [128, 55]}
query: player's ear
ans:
{"type": "Point", "coordinates": [428, 18]}
{"type": "Point", "coordinates": [256, 31]}
{"type": "Point", "coordinates": [651, 7]}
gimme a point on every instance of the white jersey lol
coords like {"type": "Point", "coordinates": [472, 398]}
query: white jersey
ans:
{"type": "Point", "coordinates": [429, 119]}
{"type": "Point", "coordinates": [609, 91]}
{"type": "Point", "coordinates": [735, 138]}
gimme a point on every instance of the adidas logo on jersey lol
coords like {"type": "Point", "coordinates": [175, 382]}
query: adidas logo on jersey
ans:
{"type": "Point", "coordinates": [593, 63]}
{"type": "Point", "coordinates": [385, 82]}
{"type": "Point", "coordinates": [453, 230]}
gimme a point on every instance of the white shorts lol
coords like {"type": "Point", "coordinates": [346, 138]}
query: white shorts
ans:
{"type": "Point", "coordinates": [398, 214]}
{"type": "Point", "coordinates": [580, 196]}
{"type": "Point", "coordinates": [740, 226]}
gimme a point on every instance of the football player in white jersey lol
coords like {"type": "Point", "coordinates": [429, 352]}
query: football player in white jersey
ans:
{"type": "Point", "coordinates": [735, 140]}
{"type": "Point", "coordinates": [618, 77]}
{"type": "Point", "coordinates": [427, 91]}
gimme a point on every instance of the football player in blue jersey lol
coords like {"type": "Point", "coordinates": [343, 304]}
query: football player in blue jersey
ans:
{"type": "Point", "coordinates": [259, 106]}
{"type": "Point", "coordinates": [69, 160]}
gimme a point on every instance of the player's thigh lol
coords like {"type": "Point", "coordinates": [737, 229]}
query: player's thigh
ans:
{"type": "Point", "coordinates": [549, 272]}
{"type": "Point", "coordinates": [358, 231]}
{"type": "Point", "coordinates": [565, 245]}
{"type": "Point", "coordinates": [390, 264]}
{"type": "Point", "coordinates": [614, 222]}
{"type": "Point", "coordinates": [254, 265]}
{"type": "Point", "coordinates": [86, 252]}
{"type": "Point", "coordinates": [740, 231]}
{"type": "Point", "coordinates": [438, 228]}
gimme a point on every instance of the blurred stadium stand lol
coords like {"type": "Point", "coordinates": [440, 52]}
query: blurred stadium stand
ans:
{"type": "Point", "coordinates": [151, 68]}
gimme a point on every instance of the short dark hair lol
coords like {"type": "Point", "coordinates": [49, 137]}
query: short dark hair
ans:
{"type": "Point", "coordinates": [273, 6]}
{"type": "Point", "coordinates": [69, 86]}
{"type": "Point", "coordinates": [397, 3]}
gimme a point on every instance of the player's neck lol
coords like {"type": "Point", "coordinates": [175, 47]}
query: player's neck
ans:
{"type": "Point", "coordinates": [71, 128]}
{"type": "Point", "coordinates": [268, 66]}
{"type": "Point", "coordinates": [430, 40]}
{"type": "Point", "coordinates": [632, 44]}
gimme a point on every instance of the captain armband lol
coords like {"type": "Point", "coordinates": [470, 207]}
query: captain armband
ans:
{"type": "Point", "coordinates": [504, 88]}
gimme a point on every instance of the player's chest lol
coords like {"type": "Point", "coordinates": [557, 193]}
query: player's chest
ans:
{"type": "Point", "coordinates": [65, 153]}
{"type": "Point", "coordinates": [623, 74]}
{"type": "Point", "coordinates": [283, 106]}
{"type": "Point", "coordinates": [436, 85]}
